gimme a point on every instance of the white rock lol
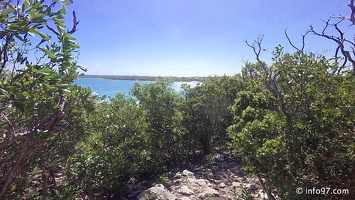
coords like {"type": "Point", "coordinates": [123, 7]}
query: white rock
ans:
{"type": "Point", "coordinates": [201, 182]}
{"type": "Point", "coordinates": [184, 190]}
{"type": "Point", "coordinates": [176, 182]}
{"type": "Point", "coordinates": [158, 192]}
{"type": "Point", "coordinates": [184, 198]}
{"type": "Point", "coordinates": [222, 185]}
{"type": "Point", "coordinates": [236, 184]}
{"type": "Point", "coordinates": [187, 173]}
{"type": "Point", "coordinates": [262, 194]}
{"type": "Point", "coordinates": [177, 175]}
{"type": "Point", "coordinates": [209, 192]}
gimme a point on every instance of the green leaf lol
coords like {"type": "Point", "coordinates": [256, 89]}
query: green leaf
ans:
{"type": "Point", "coordinates": [13, 188]}
{"type": "Point", "coordinates": [46, 84]}
{"type": "Point", "coordinates": [66, 2]}
{"type": "Point", "coordinates": [25, 5]}
{"type": "Point", "coordinates": [36, 170]}
{"type": "Point", "coordinates": [4, 92]}
{"type": "Point", "coordinates": [36, 31]}
{"type": "Point", "coordinates": [82, 67]}
{"type": "Point", "coordinates": [62, 11]}
{"type": "Point", "coordinates": [45, 70]}
{"type": "Point", "coordinates": [25, 93]}
{"type": "Point", "coordinates": [60, 24]}
{"type": "Point", "coordinates": [48, 52]}
{"type": "Point", "coordinates": [38, 19]}
{"type": "Point", "coordinates": [66, 91]}
{"type": "Point", "coordinates": [64, 85]}
{"type": "Point", "coordinates": [5, 12]}
{"type": "Point", "coordinates": [18, 84]}
{"type": "Point", "coordinates": [33, 13]}
{"type": "Point", "coordinates": [44, 36]}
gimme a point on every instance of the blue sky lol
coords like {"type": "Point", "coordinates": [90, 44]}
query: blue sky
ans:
{"type": "Point", "coordinates": [191, 37]}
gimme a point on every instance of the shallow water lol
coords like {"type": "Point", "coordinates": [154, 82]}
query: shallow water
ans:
{"type": "Point", "coordinates": [110, 87]}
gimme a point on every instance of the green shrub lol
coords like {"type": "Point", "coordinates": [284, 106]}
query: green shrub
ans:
{"type": "Point", "coordinates": [115, 150]}
{"type": "Point", "coordinates": [299, 133]}
{"type": "Point", "coordinates": [37, 67]}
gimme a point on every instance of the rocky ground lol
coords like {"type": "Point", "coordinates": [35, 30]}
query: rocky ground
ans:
{"type": "Point", "coordinates": [218, 176]}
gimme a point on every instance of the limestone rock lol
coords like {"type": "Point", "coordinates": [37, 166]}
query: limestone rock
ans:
{"type": "Point", "coordinates": [222, 185]}
{"type": "Point", "coordinates": [184, 198]}
{"type": "Point", "coordinates": [177, 175]}
{"type": "Point", "coordinates": [185, 190]}
{"type": "Point", "coordinates": [223, 180]}
{"type": "Point", "coordinates": [158, 192]}
{"type": "Point", "coordinates": [209, 192]}
{"type": "Point", "coordinates": [187, 173]}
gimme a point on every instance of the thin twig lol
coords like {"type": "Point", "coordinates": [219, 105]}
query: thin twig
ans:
{"type": "Point", "coordinates": [75, 23]}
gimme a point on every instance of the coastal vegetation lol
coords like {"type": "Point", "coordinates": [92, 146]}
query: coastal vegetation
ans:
{"type": "Point", "coordinates": [292, 122]}
{"type": "Point", "coordinates": [148, 78]}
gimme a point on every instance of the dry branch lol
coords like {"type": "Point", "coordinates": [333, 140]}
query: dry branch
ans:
{"type": "Point", "coordinates": [352, 15]}
{"type": "Point", "coordinates": [270, 76]}
{"type": "Point", "coordinates": [341, 42]}
{"type": "Point", "coordinates": [303, 41]}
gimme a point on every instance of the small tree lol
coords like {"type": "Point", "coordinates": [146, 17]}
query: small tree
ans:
{"type": "Point", "coordinates": [37, 66]}
{"type": "Point", "coordinates": [161, 106]}
{"type": "Point", "coordinates": [293, 141]}
{"type": "Point", "coordinates": [207, 114]}
{"type": "Point", "coordinates": [115, 150]}
{"type": "Point", "coordinates": [294, 123]}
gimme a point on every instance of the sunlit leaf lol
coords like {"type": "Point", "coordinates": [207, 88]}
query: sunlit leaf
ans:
{"type": "Point", "coordinates": [66, 2]}
{"type": "Point", "coordinates": [25, 93]}
{"type": "Point", "coordinates": [36, 170]}
{"type": "Point", "coordinates": [25, 5]}
{"type": "Point", "coordinates": [48, 52]}
{"type": "Point", "coordinates": [82, 67]}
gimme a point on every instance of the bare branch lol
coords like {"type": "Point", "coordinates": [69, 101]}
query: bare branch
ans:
{"type": "Point", "coordinates": [256, 46]}
{"type": "Point", "coordinates": [47, 123]}
{"type": "Point", "coordinates": [75, 23]}
{"type": "Point", "coordinates": [257, 49]}
{"type": "Point", "coordinates": [14, 168]}
{"type": "Point", "coordinates": [340, 40]}
{"type": "Point", "coordinates": [289, 41]}
{"type": "Point", "coordinates": [303, 41]}
{"type": "Point", "coordinates": [271, 83]}
{"type": "Point", "coordinates": [3, 53]}
{"type": "Point", "coordinates": [54, 31]}
{"type": "Point", "coordinates": [352, 15]}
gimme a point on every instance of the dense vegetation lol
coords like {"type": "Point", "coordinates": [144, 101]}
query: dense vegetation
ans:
{"type": "Point", "coordinates": [292, 122]}
{"type": "Point", "coordinates": [300, 133]}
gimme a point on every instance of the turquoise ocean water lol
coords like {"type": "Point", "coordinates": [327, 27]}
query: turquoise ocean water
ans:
{"type": "Point", "coordinates": [110, 87]}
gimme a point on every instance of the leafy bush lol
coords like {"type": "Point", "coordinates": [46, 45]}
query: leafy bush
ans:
{"type": "Point", "coordinates": [37, 67]}
{"type": "Point", "coordinates": [296, 130]}
{"type": "Point", "coordinates": [115, 150]}
{"type": "Point", "coordinates": [162, 110]}
{"type": "Point", "coordinates": [207, 114]}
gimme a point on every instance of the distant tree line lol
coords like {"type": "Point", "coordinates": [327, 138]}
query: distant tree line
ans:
{"type": "Point", "coordinates": [148, 78]}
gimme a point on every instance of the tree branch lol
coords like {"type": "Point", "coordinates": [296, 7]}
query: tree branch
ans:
{"type": "Point", "coordinates": [257, 49]}
{"type": "Point", "coordinates": [352, 15]}
{"type": "Point", "coordinates": [270, 79]}
{"type": "Point", "coordinates": [75, 23]}
{"type": "Point", "coordinates": [47, 123]}
{"type": "Point", "coordinates": [303, 41]}
{"type": "Point", "coordinates": [340, 40]}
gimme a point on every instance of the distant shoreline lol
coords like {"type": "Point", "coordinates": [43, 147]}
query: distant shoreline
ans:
{"type": "Point", "coordinates": [147, 78]}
